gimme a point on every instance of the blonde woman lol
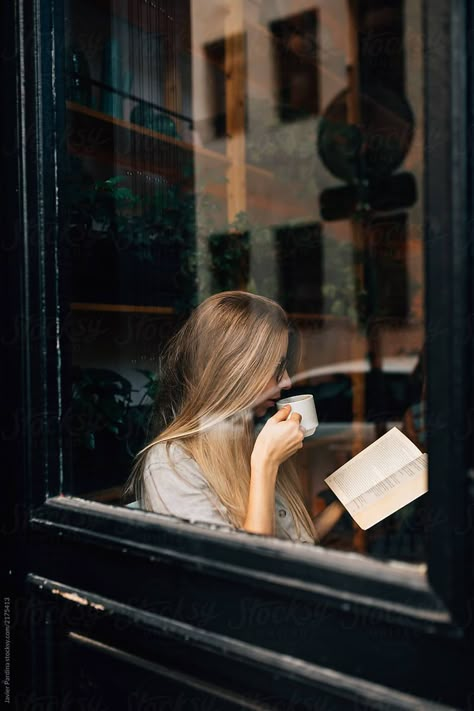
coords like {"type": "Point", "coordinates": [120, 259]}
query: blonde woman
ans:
{"type": "Point", "coordinates": [205, 464]}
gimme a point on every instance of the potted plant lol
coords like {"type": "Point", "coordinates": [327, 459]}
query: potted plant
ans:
{"type": "Point", "coordinates": [131, 249]}
{"type": "Point", "coordinates": [107, 429]}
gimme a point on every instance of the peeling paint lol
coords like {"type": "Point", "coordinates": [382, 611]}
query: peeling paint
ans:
{"type": "Point", "coordinates": [74, 597]}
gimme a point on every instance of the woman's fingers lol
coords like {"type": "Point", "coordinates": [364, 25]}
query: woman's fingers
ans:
{"type": "Point", "coordinates": [296, 417]}
{"type": "Point", "coordinates": [282, 414]}
{"type": "Point", "coordinates": [280, 437]}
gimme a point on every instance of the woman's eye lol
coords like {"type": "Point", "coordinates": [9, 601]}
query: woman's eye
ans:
{"type": "Point", "coordinates": [280, 372]}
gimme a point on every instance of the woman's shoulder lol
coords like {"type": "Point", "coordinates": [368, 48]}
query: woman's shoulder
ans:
{"type": "Point", "coordinates": [166, 451]}
{"type": "Point", "coordinates": [171, 459]}
{"type": "Point", "coordinates": [174, 484]}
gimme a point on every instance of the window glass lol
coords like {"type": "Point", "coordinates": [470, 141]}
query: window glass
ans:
{"type": "Point", "coordinates": [273, 147]}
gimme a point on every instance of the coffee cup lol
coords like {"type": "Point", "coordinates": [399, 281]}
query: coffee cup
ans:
{"type": "Point", "coordinates": [304, 405]}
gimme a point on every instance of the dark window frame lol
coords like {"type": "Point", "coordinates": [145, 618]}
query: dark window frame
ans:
{"type": "Point", "coordinates": [438, 603]}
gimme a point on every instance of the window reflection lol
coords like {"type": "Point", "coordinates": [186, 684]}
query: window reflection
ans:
{"type": "Point", "coordinates": [269, 147]}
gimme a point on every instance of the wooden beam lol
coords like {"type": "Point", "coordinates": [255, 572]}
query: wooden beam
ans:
{"type": "Point", "coordinates": [354, 117]}
{"type": "Point", "coordinates": [235, 109]}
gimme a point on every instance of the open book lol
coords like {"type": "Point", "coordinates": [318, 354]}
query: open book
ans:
{"type": "Point", "coordinates": [381, 479]}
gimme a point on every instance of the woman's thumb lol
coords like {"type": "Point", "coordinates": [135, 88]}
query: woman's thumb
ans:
{"type": "Point", "coordinates": [282, 414]}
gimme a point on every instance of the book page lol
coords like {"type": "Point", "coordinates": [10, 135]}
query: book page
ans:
{"type": "Point", "coordinates": [390, 495]}
{"type": "Point", "coordinates": [374, 464]}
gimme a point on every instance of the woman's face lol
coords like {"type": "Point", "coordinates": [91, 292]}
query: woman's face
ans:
{"type": "Point", "coordinates": [272, 391]}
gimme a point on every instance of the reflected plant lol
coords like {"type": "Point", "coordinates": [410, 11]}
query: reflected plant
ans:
{"type": "Point", "coordinates": [149, 228]}
{"type": "Point", "coordinates": [230, 255]}
{"type": "Point", "coordinates": [140, 415]}
{"type": "Point", "coordinates": [193, 223]}
{"type": "Point", "coordinates": [100, 401]}
{"type": "Point", "coordinates": [341, 296]}
{"type": "Point", "coordinates": [137, 221]}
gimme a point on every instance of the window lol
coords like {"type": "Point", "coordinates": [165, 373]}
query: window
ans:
{"type": "Point", "coordinates": [266, 149]}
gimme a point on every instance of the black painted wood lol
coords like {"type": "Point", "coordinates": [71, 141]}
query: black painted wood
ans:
{"type": "Point", "coordinates": [177, 573]}
{"type": "Point", "coordinates": [40, 119]}
{"type": "Point", "coordinates": [395, 589]}
{"type": "Point", "coordinates": [470, 308]}
{"type": "Point", "coordinates": [447, 298]}
{"type": "Point", "coordinates": [198, 658]}
{"type": "Point", "coordinates": [13, 513]}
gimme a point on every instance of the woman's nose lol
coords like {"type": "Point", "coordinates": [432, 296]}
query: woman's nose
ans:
{"type": "Point", "coordinates": [285, 383]}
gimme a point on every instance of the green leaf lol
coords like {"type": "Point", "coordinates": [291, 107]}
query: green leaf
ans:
{"type": "Point", "coordinates": [113, 181]}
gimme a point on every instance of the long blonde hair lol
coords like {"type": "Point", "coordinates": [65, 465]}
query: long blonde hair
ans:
{"type": "Point", "coordinates": [211, 371]}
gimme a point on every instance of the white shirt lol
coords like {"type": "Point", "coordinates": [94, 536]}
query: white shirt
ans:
{"type": "Point", "coordinates": [177, 487]}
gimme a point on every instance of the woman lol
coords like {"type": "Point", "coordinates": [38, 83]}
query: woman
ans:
{"type": "Point", "coordinates": [226, 364]}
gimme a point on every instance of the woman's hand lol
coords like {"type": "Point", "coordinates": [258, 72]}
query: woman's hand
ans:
{"type": "Point", "coordinates": [279, 439]}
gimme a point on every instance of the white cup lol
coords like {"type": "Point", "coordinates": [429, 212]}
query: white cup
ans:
{"type": "Point", "coordinates": [304, 405]}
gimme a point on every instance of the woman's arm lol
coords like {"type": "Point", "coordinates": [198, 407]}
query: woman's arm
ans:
{"type": "Point", "coordinates": [279, 439]}
{"type": "Point", "coordinates": [328, 518]}
{"type": "Point", "coordinates": [261, 503]}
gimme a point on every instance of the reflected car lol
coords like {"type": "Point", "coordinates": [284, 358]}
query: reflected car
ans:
{"type": "Point", "coordinates": [388, 392]}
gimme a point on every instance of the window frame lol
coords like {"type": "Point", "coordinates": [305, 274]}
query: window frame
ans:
{"type": "Point", "coordinates": [437, 603]}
